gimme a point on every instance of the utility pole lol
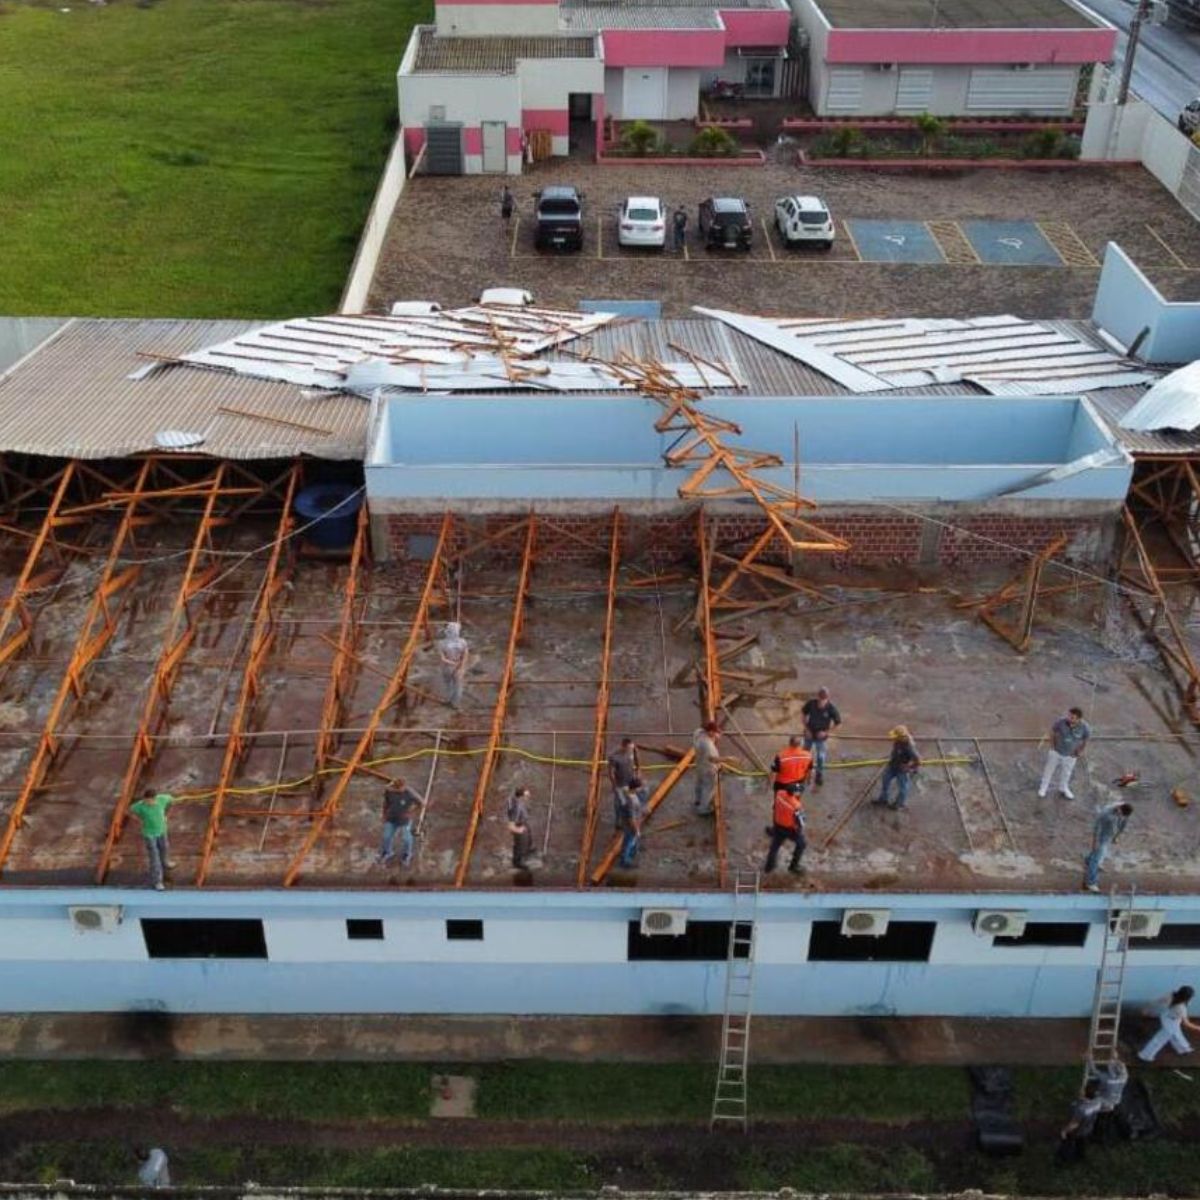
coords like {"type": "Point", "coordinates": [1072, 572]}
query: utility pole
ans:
{"type": "Point", "coordinates": [1135, 32]}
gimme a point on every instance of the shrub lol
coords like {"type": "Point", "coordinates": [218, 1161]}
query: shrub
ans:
{"type": "Point", "coordinates": [713, 143]}
{"type": "Point", "coordinates": [931, 128]}
{"type": "Point", "coordinates": [1043, 143]}
{"type": "Point", "coordinates": [639, 138]}
{"type": "Point", "coordinates": [847, 141]}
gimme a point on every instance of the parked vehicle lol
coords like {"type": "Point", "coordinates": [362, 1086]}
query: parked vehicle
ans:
{"type": "Point", "coordinates": [643, 222]}
{"type": "Point", "coordinates": [559, 219]}
{"type": "Point", "coordinates": [724, 89]}
{"type": "Point", "coordinates": [725, 223]}
{"type": "Point", "coordinates": [1189, 119]}
{"type": "Point", "coordinates": [804, 220]}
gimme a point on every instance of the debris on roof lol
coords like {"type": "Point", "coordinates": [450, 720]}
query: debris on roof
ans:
{"type": "Point", "coordinates": [1002, 355]}
{"type": "Point", "coordinates": [481, 348]}
{"type": "Point", "coordinates": [1172, 403]}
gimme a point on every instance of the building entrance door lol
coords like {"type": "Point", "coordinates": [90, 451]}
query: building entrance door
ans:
{"type": "Point", "coordinates": [645, 93]}
{"type": "Point", "coordinates": [495, 154]}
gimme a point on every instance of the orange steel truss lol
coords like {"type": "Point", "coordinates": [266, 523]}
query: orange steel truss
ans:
{"type": "Point", "coordinates": [435, 583]}
{"type": "Point", "coordinates": [345, 659]}
{"type": "Point", "coordinates": [710, 680]}
{"type": "Point", "coordinates": [202, 568]}
{"type": "Point", "coordinates": [263, 631]}
{"type": "Point", "coordinates": [500, 712]}
{"type": "Point", "coordinates": [591, 815]}
{"type": "Point", "coordinates": [97, 630]}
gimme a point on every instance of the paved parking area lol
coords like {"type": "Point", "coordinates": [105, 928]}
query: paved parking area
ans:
{"type": "Point", "coordinates": [966, 244]}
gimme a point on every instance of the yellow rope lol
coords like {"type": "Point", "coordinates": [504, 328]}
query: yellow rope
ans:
{"type": "Point", "coordinates": [518, 752]}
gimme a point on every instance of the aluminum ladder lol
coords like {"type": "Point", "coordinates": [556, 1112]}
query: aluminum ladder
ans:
{"type": "Point", "coordinates": [730, 1097]}
{"type": "Point", "coordinates": [1110, 982]}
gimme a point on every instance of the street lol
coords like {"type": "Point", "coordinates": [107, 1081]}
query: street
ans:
{"type": "Point", "coordinates": [1166, 71]}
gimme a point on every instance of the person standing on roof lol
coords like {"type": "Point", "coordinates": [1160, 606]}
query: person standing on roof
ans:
{"type": "Point", "coordinates": [632, 813]}
{"type": "Point", "coordinates": [903, 763]}
{"type": "Point", "coordinates": [151, 813]}
{"type": "Point", "coordinates": [1068, 740]}
{"type": "Point", "coordinates": [787, 825]}
{"type": "Point", "coordinates": [707, 765]}
{"type": "Point", "coordinates": [401, 806]}
{"type": "Point", "coordinates": [791, 766]}
{"type": "Point", "coordinates": [624, 766]}
{"type": "Point", "coordinates": [455, 655]}
{"type": "Point", "coordinates": [1172, 1021]}
{"type": "Point", "coordinates": [821, 718]}
{"type": "Point", "coordinates": [1110, 824]}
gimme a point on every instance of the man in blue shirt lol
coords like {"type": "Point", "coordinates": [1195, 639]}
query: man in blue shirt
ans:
{"type": "Point", "coordinates": [1068, 740]}
{"type": "Point", "coordinates": [1110, 824]}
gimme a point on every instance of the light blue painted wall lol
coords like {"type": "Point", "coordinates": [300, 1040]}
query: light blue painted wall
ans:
{"type": "Point", "coordinates": [1127, 302]}
{"type": "Point", "coordinates": [550, 953]}
{"type": "Point", "coordinates": [852, 449]}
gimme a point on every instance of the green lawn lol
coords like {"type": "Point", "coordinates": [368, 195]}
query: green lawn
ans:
{"type": "Point", "coordinates": [191, 157]}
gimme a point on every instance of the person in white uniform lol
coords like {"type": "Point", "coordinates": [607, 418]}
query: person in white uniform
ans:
{"type": "Point", "coordinates": [1172, 1021]}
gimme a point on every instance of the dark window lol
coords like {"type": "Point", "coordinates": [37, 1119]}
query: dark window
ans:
{"type": "Point", "coordinates": [702, 941]}
{"type": "Point", "coordinates": [1047, 933]}
{"type": "Point", "coordinates": [904, 941]}
{"type": "Point", "coordinates": [364, 929]}
{"type": "Point", "coordinates": [1172, 937]}
{"type": "Point", "coordinates": [421, 546]}
{"type": "Point", "coordinates": [193, 938]}
{"type": "Point", "coordinates": [464, 931]}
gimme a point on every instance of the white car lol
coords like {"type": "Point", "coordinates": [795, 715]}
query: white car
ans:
{"type": "Point", "coordinates": [643, 222]}
{"type": "Point", "coordinates": [1189, 119]}
{"type": "Point", "coordinates": [802, 219]}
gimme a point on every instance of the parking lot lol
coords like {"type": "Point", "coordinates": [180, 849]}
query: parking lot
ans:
{"type": "Point", "coordinates": [979, 242]}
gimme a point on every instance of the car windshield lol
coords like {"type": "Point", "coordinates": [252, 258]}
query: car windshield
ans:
{"type": "Point", "coordinates": [817, 217]}
{"type": "Point", "coordinates": [559, 208]}
{"type": "Point", "coordinates": [643, 214]}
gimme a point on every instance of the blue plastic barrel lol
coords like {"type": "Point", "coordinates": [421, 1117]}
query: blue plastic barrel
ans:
{"type": "Point", "coordinates": [330, 513]}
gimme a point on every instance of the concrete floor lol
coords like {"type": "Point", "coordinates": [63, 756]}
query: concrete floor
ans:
{"type": "Point", "coordinates": [888, 655]}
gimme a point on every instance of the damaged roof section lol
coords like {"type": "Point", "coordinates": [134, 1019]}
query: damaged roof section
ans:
{"type": "Point", "coordinates": [1002, 355]}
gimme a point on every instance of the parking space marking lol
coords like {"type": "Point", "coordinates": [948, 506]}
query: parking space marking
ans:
{"type": "Point", "coordinates": [850, 238]}
{"type": "Point", "coordinates": [512, 247]}
{"type": "Point", "coordinates": [1069, 246]}
{"type": "Point", "coordinates": [599, 236]}
{"type": "Point", "coordinates": [767, 234]}
{"type": "Point", "coordinates": [895, 242]}
{"type": "Point", "coordinates": [1011, 244]}
{"type": "Point", "coordinates": [953, 244]}
{"type": "Point", "coordinates": [1166, 246]}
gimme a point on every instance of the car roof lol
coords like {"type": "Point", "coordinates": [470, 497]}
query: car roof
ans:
{"type": "Point", "coordinates": [809, 203]}
{"type": "Point", "coordinates": [643, 202]}
{"type": "Point", "coordinates": [728, 203]}
{"type": "Point", "coordinates": [558, 191]}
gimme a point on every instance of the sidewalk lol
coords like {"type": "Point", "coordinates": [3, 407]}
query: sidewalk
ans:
{"type": "Point", "coordinates": [840, 1040]}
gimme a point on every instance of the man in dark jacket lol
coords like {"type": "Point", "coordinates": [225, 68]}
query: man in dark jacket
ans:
{"type": "Point", "coordinates": [401, 806]}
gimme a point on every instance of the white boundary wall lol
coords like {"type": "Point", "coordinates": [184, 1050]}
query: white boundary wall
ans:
{"type": "Point", "coordinates": [366, 257]}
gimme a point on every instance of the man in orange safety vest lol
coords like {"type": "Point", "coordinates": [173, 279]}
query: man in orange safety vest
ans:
{"type": "Point", "coordinates": [791, 766]}
{"type": "Point", "coordinates": [787, 825]}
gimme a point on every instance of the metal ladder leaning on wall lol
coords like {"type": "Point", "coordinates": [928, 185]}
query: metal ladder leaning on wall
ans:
{"type": "Point", "coordinates": [730, 1097]}
{"type": "Point", "coordinates": [1110, 981]}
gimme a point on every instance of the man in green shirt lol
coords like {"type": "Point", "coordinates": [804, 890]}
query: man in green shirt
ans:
{"type": "Point", "coordinates": [151, 812]}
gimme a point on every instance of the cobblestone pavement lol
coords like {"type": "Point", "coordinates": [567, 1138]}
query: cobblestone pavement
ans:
{"type": "Point", "coordinates": [447, 240]}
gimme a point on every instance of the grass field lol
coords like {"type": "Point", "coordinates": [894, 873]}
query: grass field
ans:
{"type": "Point", "coordinates": [575, 1126]}
{"type": "Point", "coordinates": [191, 157]}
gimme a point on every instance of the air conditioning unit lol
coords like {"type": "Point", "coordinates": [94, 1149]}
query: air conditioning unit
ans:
{"type": "Point", "coordinates": [885, 66]}
{"type": "Point", "coordinates": [1146, 924]}
{"type": "Point", "coordinates": [1022, 66]}
{"type": "Point", "coordinates": [96, 918]}
{"type": "Point", "coordinates": [664, 922]}
{"type": "Point", "coordinates": [865, 922]}
{"type": "Point", "coordinates": [993, 922]}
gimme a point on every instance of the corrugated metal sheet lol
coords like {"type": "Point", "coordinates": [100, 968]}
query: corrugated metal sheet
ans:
{"type": "Point", "coordinates": [73, 398]}
{"type": "Point", "coordinates": [598, 17]}
{"type": "Point", "coordinates": [954, 14]}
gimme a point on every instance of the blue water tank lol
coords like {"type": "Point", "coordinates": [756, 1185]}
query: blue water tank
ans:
{"type": "Point", "coordinates": [330, 513]}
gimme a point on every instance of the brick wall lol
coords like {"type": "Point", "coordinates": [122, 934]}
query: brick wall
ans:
{"type": "Point", "coordinates": [875, 537]}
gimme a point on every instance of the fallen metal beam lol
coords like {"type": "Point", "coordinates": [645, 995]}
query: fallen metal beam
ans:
{"type": "Point", "coordinates": [97, 630]}
{"type": "Point", "coordinates": [201, 569]}
{"type": "Point", "coordinates": [264, 629]}
{"type": "Point", "coordinates": [393, 692]}
{"type": "Point", "coordinates": [500, 711]}
{"type": "Point", "coordinates": [591, 814]}
{"type": "Point", "coordinates": [711, 684]}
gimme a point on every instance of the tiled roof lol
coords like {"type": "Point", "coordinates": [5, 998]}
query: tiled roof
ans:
{"type": "Point", "coordinates": [498, 55]}
{"type": "Point", "coordinates": [954, 14]}
{"type": "Point", "coordinates": [598, 17]}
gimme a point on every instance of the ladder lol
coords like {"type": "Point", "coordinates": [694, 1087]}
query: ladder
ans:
{"type": "Point", "coordinates": [729, 1099]}
{"type": "Point", "coordinates": [1110, 982]}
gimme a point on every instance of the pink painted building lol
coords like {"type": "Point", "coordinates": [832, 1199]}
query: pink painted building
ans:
{"type": "Point", "coordinates": [491, 75]}
{"type": "Point", "coordinates": [949, 57]}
